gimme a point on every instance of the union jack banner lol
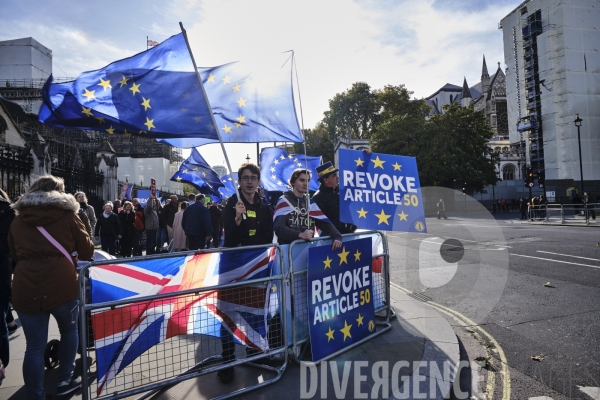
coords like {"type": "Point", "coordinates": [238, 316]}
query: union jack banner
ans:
{"type": "Point", "coordinates": [152, 43]}
{"type": "Point", "coordinates": [123, 333]}
{"type": "Point", "coordinates": [284, 207]}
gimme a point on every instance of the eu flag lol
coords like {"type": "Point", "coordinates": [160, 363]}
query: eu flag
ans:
{"type": "Point", "coordinates": [196, 171]}
{"type": "Point", "coordinates": [276, 167]}
{"type": "Point", "coordinates": [229, 184]}
{"type": "Point", "coordinates": [251, 103]}
{"type": "Point", "coordinates": [155, 94]}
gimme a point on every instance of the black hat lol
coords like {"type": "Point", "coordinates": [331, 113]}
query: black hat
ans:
{"type": "Point", "coordinates": [325, 170]}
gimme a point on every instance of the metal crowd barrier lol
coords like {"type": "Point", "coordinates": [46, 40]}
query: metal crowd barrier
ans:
{"type": "Point", "coordinates": [183, 356]}
{"type": "Point", "coordinates": [564, 213]}
{"type": "Point", "coordinates": [296, 274]}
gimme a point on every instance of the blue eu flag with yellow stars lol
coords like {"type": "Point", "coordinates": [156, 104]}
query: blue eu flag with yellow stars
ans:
{"type": "Point", "coordinates": [251, 102]}
{"type": "Point", "coordinates": [196, 171]}
{"type": "Point", "coordinates": [276, 167]}
{"type": "Point", "coordinates": [155, 93]}
{"type": "Point", "coordinates": [229, 184]}
{"type": "Point", "coordinates": [380, 192]}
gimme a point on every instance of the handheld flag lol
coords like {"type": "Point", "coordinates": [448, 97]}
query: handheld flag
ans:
{"type": "Point", "coordinates": [230, 184]}
{"type": "Point", "coordinates": [250, 102]}
{"type": "Point", "coordinates": [277, 167]}
{"type": "Point", "coordinates": [381, 192]}
{"type": "Point", "coordinates": [155, 93]}
{"type": "Point", "coordinates": [196, 171]}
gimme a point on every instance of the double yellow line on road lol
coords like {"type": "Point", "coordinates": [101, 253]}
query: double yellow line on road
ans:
{"type": "Point", "coordinates": [467, 322]}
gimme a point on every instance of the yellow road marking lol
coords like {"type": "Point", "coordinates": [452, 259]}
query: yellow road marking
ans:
{"type": "Point", "coordinates": [466, 321]}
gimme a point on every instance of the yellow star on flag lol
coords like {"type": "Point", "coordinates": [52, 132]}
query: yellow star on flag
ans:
{"type": "Point", "coordinates": [139, 133]}
{"type": "Point", "coordinates": [403, 216]}
{"type": "Point", "coordinates": [203, 173]}
{"type": "Point", "coordinates": [184, 110]}
{"type": "Point", "coordinates": [185, 171]}
{"type": "Point", "coordinates": [186, 95]}
{"type": "Point", "coordinates": [383, 217]}
{"type": "Point", "coordinates": [89, 95]}
{"type": "Point", "coordinates": [330, 334]}
{"type": "Point", "coordinates": [360, 319]}
{"type": "Point", "coordinates": [357, 255]}
{"type": "Point", "coordinates": [226, 128]}
{"type": "Point", "coordinates": [178, 179]}
{"type": "Point", "coordinates": [110, 130]}
{"type": "Point", "coordinates": [272, 169]}
{"type": "Point", "coordinates": [123, 81]}
{"type": "Point", "coordinates": [149, 123]}
{"type": "Point", "coordinates": [327, 262]}
{"type": "Point", "coordinates": [135, 88]}
{"type": "Point", "coordinates": [290, 156]}
{"type": "Point", "coordinates": [397, 166]}
{"type": "Point", "coordinates": [227, 79]}
{"type": "Point", "coordinates": [87, 111]}
{"type": "Point", "coordinates": [146, 104]}
{"type": "Point", "coordinates": [276, 162]}
{"type": "Point", "coordinates": [359, 162]}
{"type": "Point", "coordinates": [274, 288]}
{"type": "Point", "coordinates": [195, 168]}
{"type": "Point", "coordinates": [104, 84]}
{"type": "Point", "coordinates": [241, 102]}
{"type": "Point", "coordinates": [241, 118]}
{"type": "Point", "coordinates": [237, 87]}
{"type": "Point", "coordinates": [343, 256]}
{"type": "Point", "coordinates": [282, 157]}
{"type": "Point", "coordinates": [362, 213]}
{"type": "Point", "coordinates": [198, 119]}
{"type": "Point", "coordinates": [378, 162]}
{"type": "Point", "coordinates": [211, 78]}
{"type": "Point", "coordinates": [346, 330]}
{"type": "Point", "coordinates": [100, 120]}
{"type": "Point", "coordinates": [237, 124]}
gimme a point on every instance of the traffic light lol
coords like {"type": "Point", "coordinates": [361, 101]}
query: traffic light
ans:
{"type": "Point", "coordinates": [541, 177]}
{"type": "Point", "coordinates": [529, 178]}
{"type": "Point", "coordinates": [464, 190]}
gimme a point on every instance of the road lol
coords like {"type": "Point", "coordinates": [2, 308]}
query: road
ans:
{"type": "Point", "coordinates": [534, 288]}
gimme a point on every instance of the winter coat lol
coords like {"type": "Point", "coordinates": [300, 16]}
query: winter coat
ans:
{"type": "Point", "coordinates": [127, 223]}
{"type": "Point", "coordinates": [288, 227]}
{"type": "Point", "coordinates": [151, 214]}
{"type": "Point", "coordinates": [196, 220]}
{"type": "Point", "coordinates": [179, 239]}
{"type": "Point", "coordinates": [108, 226]}
{"type": "Point", "coordinates": [91, 214]}
{"type": "Point", "coordinates": [7, 215]}
{"type": "Point", "coordinates": [44, 278]}
{"type": "Point", "coordinates": [239, 235]}
{"type": "Point", "coordinates": [328, 201]}
{"type": "Point", "coordinates": [86, 221]}
{"type": "Point", "coordinates": [216, 218]}
{"type": "Point", "coordinates": [169, 212]}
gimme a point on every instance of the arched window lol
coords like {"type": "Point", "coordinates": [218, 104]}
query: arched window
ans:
{"type": "Point", "coordinates": [497, 149]}
{"type": "Point", "coordinates": [508, 172]}
{"type": "Point", "coordinates": [505, 149]}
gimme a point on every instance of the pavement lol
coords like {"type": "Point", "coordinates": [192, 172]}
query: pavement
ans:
{"type": "Point", "coordinates": [419, 350]}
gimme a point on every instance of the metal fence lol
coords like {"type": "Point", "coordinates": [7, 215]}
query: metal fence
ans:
{"type": "Point", "coordinates": [564, 213]}
{"type": "Point", "coordinates": [297, 276]}
{"type": "Point", "coordinates": [181, 355]}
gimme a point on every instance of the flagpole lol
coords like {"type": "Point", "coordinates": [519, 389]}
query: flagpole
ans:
{"type": "Point", "coordinates": [302, 131]}
{"type": "Point", "coordinates": [212, 116]}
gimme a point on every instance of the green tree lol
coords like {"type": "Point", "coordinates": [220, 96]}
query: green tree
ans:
{"type": "Point", "coordinates": [188, 189]}
{"type": "Point", "coordinates": [318, 143]}
{"type": "Point", "coordinates": [449, 147]}
{"type": "Point", "coordinates": [354, 110]}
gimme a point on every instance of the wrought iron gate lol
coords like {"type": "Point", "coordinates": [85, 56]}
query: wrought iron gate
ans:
{"type": "Point", "coordinates": [15, 169]}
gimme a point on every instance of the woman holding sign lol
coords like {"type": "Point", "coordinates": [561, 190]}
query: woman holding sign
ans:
{"type": "Point", "coordinates": [292, 218]}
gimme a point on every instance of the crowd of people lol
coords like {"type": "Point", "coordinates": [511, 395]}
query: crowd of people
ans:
{"type": "Point", "coordinates": [46, 231]}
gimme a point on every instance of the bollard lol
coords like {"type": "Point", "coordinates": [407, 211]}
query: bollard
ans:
{"type": "Point", "coordinates": [562, 214]}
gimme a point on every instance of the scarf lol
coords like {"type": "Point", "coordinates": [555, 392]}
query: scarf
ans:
{"type": "Point", "coordinates": [106, 215]}
{"type": "Point", "coordinates": [83, 205]}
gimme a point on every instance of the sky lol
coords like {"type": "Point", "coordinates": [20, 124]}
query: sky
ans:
{"type": "Point", "coordinates": [422, 44]}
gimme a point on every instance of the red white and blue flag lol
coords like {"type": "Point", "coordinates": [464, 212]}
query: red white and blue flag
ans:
{"type": "Point", "coordinates": [124, 333]}
{"type": "Point", "coordinates": [284, 207]}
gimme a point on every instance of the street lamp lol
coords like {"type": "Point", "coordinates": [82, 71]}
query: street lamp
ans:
{"type": "Point", "coordinates": [248, 158]}
{"type": "Point", "coordinates": [578, 125]}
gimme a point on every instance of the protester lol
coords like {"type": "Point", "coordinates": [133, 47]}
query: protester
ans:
{"type": "Point", "coordinates": [523, 208]}
{"type": "Point", "coordinates": [196, 224]}
{"type": "Point", "coordinates": [108, 229]}
{"type": "Point", "coordinates": [7, 215]}
{"type": "Point", "coordinates": [169, 212]}
{"type": "Point", "coordinates": [441, 209]}
{"type": "Point", "coordinates": [191, 199]}
{"type": "Point", "coordinates": [328, 198]}
{"type": "Point", "coordinates": [255, 229]}
{"type": "Point", "coordinates": [179, 239]}
{"type": "Point", "coordinates": [151, 223]}
{"type": "Point", "coordinates": [293, 220]}
{"type": "Point", "coordinates": [139, 227]}
{"type": "Point", "coordinates": [161, 234]}
{"type": "Point", "coordinates": [127, 219]}
{"type": "Point", "coordinates": [86, 221]}
{"type": "Point", "coordinates": [43, 239]}
{"type": "Point", "coordinates": [89, 210]}
{"type": "Point", "coordinates": [216, 218]}
{"type": "Point", "coordinates": [117, 206]}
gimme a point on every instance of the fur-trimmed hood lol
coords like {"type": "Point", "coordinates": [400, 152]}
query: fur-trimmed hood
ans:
{"type": "Point", "coordinates": [42, 208]}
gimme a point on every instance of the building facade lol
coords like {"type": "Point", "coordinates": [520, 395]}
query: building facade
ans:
{"type": "Point", "coordinates": [553, 74]}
